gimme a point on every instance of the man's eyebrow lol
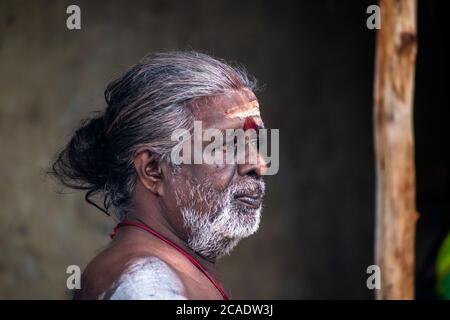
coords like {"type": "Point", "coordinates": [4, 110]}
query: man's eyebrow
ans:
{"type": "Point", "coordinates": [257, 127]}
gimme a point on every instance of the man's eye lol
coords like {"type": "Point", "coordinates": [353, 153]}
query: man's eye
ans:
{"type": "Point", "coordinates": [254, 142]}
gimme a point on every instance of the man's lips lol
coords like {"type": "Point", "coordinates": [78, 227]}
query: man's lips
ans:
{"type": "Point", "coordinates": [251, 200]}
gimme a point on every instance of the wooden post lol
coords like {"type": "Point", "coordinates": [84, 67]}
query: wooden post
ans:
{"type": "Point", "coordinates": [394, 147]}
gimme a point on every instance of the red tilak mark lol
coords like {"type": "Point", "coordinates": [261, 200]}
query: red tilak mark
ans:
{"type": "Point", "coordinates": [249, 123]}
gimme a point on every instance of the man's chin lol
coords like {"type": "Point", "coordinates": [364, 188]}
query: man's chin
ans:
{"type": "Point", "coordinates": [225, 232]}
{"type": "Point", "coordinates": [231, 240]}
{"type": "Point", "coordinates": [247, 223]}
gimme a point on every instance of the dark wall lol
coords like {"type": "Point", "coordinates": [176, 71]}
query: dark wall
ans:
{"type": "Point", "coordinates": [314, 60]}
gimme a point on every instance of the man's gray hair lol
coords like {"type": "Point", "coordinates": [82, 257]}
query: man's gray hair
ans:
{"type": "Point", "coordinates": [144, 106]}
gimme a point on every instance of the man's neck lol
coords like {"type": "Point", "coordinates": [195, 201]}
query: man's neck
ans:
{"type": "Point", "coordinates": [166, 231]}
{"type": "Point", "coordinates": [149, 213]}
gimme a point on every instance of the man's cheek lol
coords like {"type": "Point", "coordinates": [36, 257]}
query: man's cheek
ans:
{"type": "Point", "coordinates": [219, 175]}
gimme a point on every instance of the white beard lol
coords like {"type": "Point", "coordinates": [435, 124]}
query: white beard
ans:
{"type": "Point", "coordinates": [216, 232]}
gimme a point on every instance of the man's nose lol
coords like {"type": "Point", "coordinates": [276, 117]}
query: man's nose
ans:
{"type": "Point", "coordinates": [254, 164]}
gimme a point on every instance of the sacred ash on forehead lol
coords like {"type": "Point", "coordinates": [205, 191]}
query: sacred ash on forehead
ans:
{"type": "Point", "coordinates": [250, 109]}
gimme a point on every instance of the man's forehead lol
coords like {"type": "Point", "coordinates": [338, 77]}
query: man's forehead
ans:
{"type": "Point", "coordinates": [236, 105]}
{"type": "Point", "coordinates": [242, 111]}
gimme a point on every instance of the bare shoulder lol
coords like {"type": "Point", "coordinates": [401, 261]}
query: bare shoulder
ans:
{"type": "Point", "coordinates": [147, 278]}
{"type": "Point", "coordinates": [135, 275]}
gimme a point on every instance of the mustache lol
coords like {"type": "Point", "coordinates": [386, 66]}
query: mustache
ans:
{"type": "Point", "coordinates": [254, 188]}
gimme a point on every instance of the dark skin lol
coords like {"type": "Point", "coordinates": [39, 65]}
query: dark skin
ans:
{"type": "Point", "coordinates": [155, 204]}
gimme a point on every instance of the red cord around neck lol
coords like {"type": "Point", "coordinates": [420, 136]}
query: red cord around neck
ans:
{"type": "Point", "coordinates": [191, 259]}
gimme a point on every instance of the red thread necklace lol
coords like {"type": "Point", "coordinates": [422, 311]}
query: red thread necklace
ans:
{"type": "Point", "coordinates": [191, 259]}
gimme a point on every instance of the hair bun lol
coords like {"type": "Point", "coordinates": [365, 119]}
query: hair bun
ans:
{"type": "Point", "coordinates": [82, 165]}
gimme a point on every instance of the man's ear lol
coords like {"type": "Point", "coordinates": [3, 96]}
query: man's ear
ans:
{"type": "Point", "coordinates": [149, 171]}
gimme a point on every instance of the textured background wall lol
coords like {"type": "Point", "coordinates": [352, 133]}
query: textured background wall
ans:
{"type": "Point", "coordinates": [316, 64]}
{"type": "Point", "coordinates": [316, 235]}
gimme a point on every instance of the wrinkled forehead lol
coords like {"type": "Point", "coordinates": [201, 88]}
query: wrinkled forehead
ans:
{"type": "Point", "coordinates": [227, 110]}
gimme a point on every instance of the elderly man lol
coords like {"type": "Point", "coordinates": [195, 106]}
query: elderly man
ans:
{"type": "Point", "coordinates": [175, 220]}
